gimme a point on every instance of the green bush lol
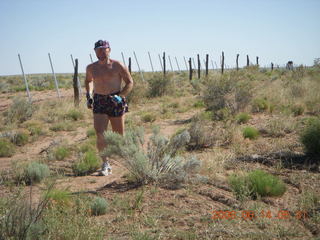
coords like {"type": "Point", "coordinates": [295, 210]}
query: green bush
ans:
{"type": "Point", "coordinates": [21, 138]}
{"type": "Point", "coordinates": [256, 183]}
{"type": "Point", "coordinates": [87, 164]}
{"type": "Point", "coordinates": [36, 172]}
{"type": "Point", "coordinates": [310, 137]}
{"type": "Point", "coordinates": [61, 197]}
{"type": "Point", "coordinates": [260, 105]}
{"type": "Point", "coordinates": [21, 110]}
{"type": "Point", "coordinates": [62, 126]}
{"type": "Point", "coordinates": [250, 132]}
{"type": "Point", "coordinates": [148, 117]}
{"type": "Point", "coordinates": [243, 118]}
{"type": "Point", "coordinates": [297, 110]}
{"type": "Point", "coordinates": [91, 132]}
{"type": "Point", "coordinates": [199, 104]}
{"type": "Point", "coordinates": [34, 127]}
{"type": "Point", "coordinates": [99, 206]}
{"type": "Point", "coordinates": [74, 114]}
{"type": "Point", "coordinates": [159, 85]}
{"type": "Point", "coordinates": [61, 153]}
{"type": "Point", "coordinates": [7, 149]}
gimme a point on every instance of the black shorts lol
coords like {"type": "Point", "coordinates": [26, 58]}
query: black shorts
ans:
{"type": "Point", "coordinates": [105, 104]}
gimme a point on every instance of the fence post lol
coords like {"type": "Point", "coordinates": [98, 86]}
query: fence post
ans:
{"type": "Point", "coordinates": [194, 64]}
{"type": "Point", "coordinates": [25, 79]}
{"type": "Point", "coordinates": [248, 63]}
{"type": "Point", "coordinates": [198, 58]}
{"type": "Point", "coordinates": [129, 66]}
{"type": "Point", "coordinates": [138, 65]}
{"type": "Point", "coordinates": [257, 60]}
{"type": "Point", "coordinates": [54, 77]}
{"type": "Point", "coordinates": [212, 64]}
{"type": "Point", "coordinates": [124, 61]}
{"type": "Point", "coordinates": [76, 84]}
{"type": "Point", "coordinates": [150, 62]}
{"type": "Point", "coordinates": [185, 63]}
{"type": "Point", "coordinates": [215, 63]}
{"type": "Point", "coordinates": [190, 69]}
{"type": "Point", "coordinates": [164, 63]}
{"type": "Point", "coordinates": [207, 64]}
{"type": "Point", "coordinates": [222, 63]}
{"type": "Point", "coordinates": [177, 64]}
{"type": "Point", "coordinates": [160, 62]}
{"type": "Point", "coordinates": [237, 62]}
{"type": "Point", "coordinates": [79, 84]}
{"type": "Point", "coordinates": [91, 58]}
{"type": "Point", "coordinates": [272, 66]}
{"type": "Point", "coordinates": [170, 63]}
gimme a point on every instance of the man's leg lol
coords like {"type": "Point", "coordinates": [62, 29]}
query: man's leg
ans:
{"type": "Point", "coordinates": [117, 124]}
{"type": "Point", "coordinates": [100, 122]}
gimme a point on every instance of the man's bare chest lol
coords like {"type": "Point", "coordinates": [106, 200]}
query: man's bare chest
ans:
{"type": "Point", "coordinates": [104, 72]}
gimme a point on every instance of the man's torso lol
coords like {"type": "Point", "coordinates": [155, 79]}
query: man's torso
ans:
{"type": "Point", "coordinates": [106, 77]}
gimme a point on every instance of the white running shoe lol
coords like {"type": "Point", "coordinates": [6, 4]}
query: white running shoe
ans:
{"type": "Point", "coordinates": [106, 169]}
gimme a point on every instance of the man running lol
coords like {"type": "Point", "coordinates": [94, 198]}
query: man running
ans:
{"type": "Point", "coordinates": [108, 101]}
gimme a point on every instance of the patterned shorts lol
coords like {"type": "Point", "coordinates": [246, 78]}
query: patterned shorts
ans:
{"type": "Point", "coordinates": [105, 104]}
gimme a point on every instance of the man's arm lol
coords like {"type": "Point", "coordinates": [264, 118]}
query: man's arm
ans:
{"type": "Point", "coordinates": [88, 80]}
{"type": "Point", "coordinates": [126, 77]}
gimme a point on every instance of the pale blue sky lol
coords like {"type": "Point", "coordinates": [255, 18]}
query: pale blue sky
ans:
{"type": "Point", "coordinates": [274, 30]}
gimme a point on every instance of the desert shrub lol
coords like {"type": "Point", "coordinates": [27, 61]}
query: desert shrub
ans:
{"type": "Point", "coordinates": [148, 117]}
{"type": "Point", "coordinates": [139, 91]}
{"type": "Point", "coordinates": [34, 127]}
{"type": "Point", "coordinates": [91, 132]}
{"type": "Point", "coordinates": [99, 206]}
{"type": "Point", "coordinates": [59, 197]}
{"type": "Point", "coordinates": [88, 163]}
{"type": "Point", "coordinates": [36, 172]}
{"type": "Point", "coordinates": [62, 126]}
{"type": "Point", "coordinates": [74, 114]}
{"type": "Point", "coordinates": [21, 110]}
{"type": "Point", "coordinates": [260, 105]}
{"type": "Point", "coordinates": [61, 153]}
{"type": "Point", "coordinates": [85, 147]}
{"type": "Point", "coordinates": [201, 136]}
{"type": "Point", "coordinates": [256, 183]}
{"type": "Point", "coordinates": [250, 132]}
{"type": "Point", "coordinates": [199, 104]}
{"type": "Point", "coordinates": [20, 137]}
{"type": "Point", "coordinates": [160, 163]}
{"type": "Point", "coordinates": [243, 95]}
{"type": "Point", "coordinates": [297, 110]}
{"type": "Point", "coordinates": [243, 117]}
{"type": "Point", "coordinates": [279, 127]}
{"type": "Point", "coordinates": [7, 149]}
{"type": "Point", "coordinates": [159, 85]}
{"type": "Point", "coordinates": [310, 137]}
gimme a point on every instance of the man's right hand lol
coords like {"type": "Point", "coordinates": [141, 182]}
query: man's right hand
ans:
{"type": "Point", "coordinates": [89, 101]}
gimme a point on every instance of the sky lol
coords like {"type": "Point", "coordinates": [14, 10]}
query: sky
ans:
{"type": "Point", "coordinates": [275, 30]}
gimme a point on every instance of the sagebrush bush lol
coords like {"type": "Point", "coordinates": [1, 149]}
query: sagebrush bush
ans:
{"type": "Point", "coordinates": [139, 91]}
{"type": "Point", "coordinates": [201, 136]}
{"type": "Point", "coordinates": [250, 132]}
{"type": "Point", "coordinates": [7, 149]}
{"type": "Point", "coordinates": [59, 197]}
{"type": "Point", "coordinates": [260, 105]}
{"type": "Point", "coordinates": [74, 114]}
{"type": "Point", "coordinates": [35, 172]}
{"type": "Point", "coordinates": [148, 117]}
{"type": "Point", "coordinates": [160, 85]}
{"type": "Point", "coordinates": [60, 153]}
{"type": "Point", "coordinates": [20, 137]}
{"type": "Point", "coordinates": [160, 163]}
{"type": "Point", "coordinates": [88, 163]}
{"type": "Point", "coordinates": [99, 206]}
{"type": "Point", "coordinates": [21, 110]}
{"type": "Point", "coordinates": [297, 110]}
{"type": "Point", "coordinates": [243, 117]}
{"type": "Point", "coordinates": [310, 137]}
{"type": "Point", "coordinates": [34, 127]}
{"type": "Point", "coordinates": [91, 132]}
{"type": "Point", "coordinates": [62, 126]}
{"type": "Point", "coordinates": [256, 183]}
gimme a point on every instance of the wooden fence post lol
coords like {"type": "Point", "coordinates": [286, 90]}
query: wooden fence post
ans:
{"type": "Point", "coordinates": [198, 65]}
{"type": "Point", "coordinates": [164, 63]}
{"type": "Point", "coordinates": [185, 62]}
{"type": "Point", "coordinates": [257, 61]}
{"type": "Point", "coordinates": [124, 61]}
{"type": "Point", "coordinates": [129, 66]}
{"type": "Point", "coordinates": [237, 62]}
{"type": "Point", "coordinates": [150, 62]}
{"type": "Point", "coordinates": [222, 63]}
{"type": "Point", "coordinates": [177, 64]}
{"type": "Point", "coordinates": [160, 62]}
{"type": "Point", "coordinates": [272, 66]}
{"type": "Point", "coordinates": [248, 63]}
{"type": "Point", "coordinates": [170, 63]}
{"type": "Point", "coordinates": [207, 64]}
{"type": "Point", "coordinates": [75, 84]}
{"type": "Point", "coordinates": [190, 69]}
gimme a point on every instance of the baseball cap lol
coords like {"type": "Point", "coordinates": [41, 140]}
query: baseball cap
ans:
{"type": "Point", "coordinates": [101, 44]}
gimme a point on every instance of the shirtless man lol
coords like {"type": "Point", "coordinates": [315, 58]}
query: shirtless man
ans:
{"type": "Point", "coordinates": [108, 101]}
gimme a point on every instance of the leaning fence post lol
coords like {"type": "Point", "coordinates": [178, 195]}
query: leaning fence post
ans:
{"type": "Point", "coordinates": [54, 77]}
{"type": "Point", "coordinates": [177, 64]}
{"type": "Point", "coordinates": [222, 63]}
{"type": "Point", "coordinates": [194, 63]}
{"type": "Point", "coordinates": [124, 61]}
{"type": "Point", "coordinates": [138, 65]}
{"type": "Point", "coordinates": [79, 84]}
{"type": "Point", "coordinates": [160, 62]}
{"type": "Point", "coordinates": [185, 63]}
{"type": "Point", "coordinates": [170, 63]}
{"type": "Point", "coordinates": [76, 88]}
{"type": "Point", "coordinates": [150, 62]}
{"type": "Point", "coordinates": [212, 64]}
{"type": "Point", "coordinates": [207, 64]}
{"type": "Point", "coordinates": [91, 58]}
{"type": "Point", "coordinates": [190, 69]}
{"type": "Point", "coordinates": [25, 79]}
{"type": "Point", "coordinates": [248, 61]}
{"type": "Point", "coordinates": [237, 62]}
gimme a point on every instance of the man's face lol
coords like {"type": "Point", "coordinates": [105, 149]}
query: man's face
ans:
{"type": "Point", "coordinates": [102, 53]}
